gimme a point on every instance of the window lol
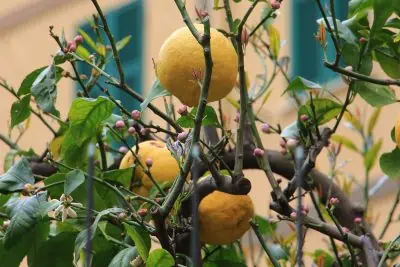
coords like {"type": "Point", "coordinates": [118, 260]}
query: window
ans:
{"type": "Point", "coordinates": [307, 54]}
{"type": "Point", "coordinates": [124, 21]}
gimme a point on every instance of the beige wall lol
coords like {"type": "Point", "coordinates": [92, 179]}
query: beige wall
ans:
{"type": "Point", "coordinates": [27, 46]}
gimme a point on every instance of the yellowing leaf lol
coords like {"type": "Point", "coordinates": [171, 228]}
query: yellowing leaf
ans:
{"type": "Point", "coordinates": [373, 119]}
{"type": "Point", "coordinates": [275, 41]}
{"type": "Point", "coordinates": [233, 102]}
{"type": "Point", "coordinates": [55, 147]}
{"type": "Point", "coordinates": [344, 141]}
{"type": "Point", "coordinates": [353, 120]}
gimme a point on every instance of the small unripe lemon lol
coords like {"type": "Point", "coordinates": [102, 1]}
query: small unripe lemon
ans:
{"type": "Point", "coordinates": [164, 167]}
{"type": "Point", "coordinates": [181, 64]}
{"type": "Point", "coordinates": [224, 217]}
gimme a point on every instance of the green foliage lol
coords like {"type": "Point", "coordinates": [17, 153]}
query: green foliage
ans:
{"type": "Point", "coordinates": [375, 95]}
{"type": "Point", "coordinates": [124, 257]}
{"type": "Point", "coordinates": [210, 118]}
{"type": "Point", "coordinates": [301, 84]}
{"type": "Point", "coordinates": [160, 257]}
{"type": "Point", "coordinates": [389, 163]}
{"type": "Point", "coordinates": [156, 91]}
{"type": "Point", "coordinates": [320, 111]}
{"type": "Point", "coordinates": [141, 239]}
{"type": "Point", "coordinates": [73, 180]}
{"type": "Point", "coordinates": [224, 256]}
{"type": "Point", "coordinates": [20, 110]}
{"type": "Point", "coordinates": [16, 177]}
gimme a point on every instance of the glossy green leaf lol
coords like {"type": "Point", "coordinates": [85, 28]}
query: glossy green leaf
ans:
{"type": "Point", "coordinates": [325, 110]}
{"type": "Point", "coordinates": [227, 255]}
{"type": "Point", "coordinates": [124, 257]}
{"type": "Point", "coordinates": [371, 155]}
{"type": "Point", "coordinates": [86, 116]}
{"type": "Point", "coordinates": [24, 214]}
{"type": "Point", "coordinates": [123, 42]}
{"type": "Point", "coordinates": [26, 85]}
{"type": "Point", "coordinates": [358, 6]}
{"type": "Point", "coordinates": [210, 118]}
{"type": "Point", "coordinates": [156, 91]}
{"type": "Point", "coordinates": [375, 95]}
{"type": "Point", "coordinates": [346, 142]}
{"type": "Point", "coordinates": [351, 56]}
{"type": "Point", "coordinates": [44, 88]}
{"type": "Point", "coordinates": [301, 84]}
{"type": "Point", "coordinates": [265, 226]}
{"type": "Point", "coordinates": [16, 177]}
{"type": "Point", "coordinates": [20, 110]}
{"type": "Point", "coordinates": [81, 239]}
{"type": "Point", "coordinates": [9, 159]}
{"type": "Point", "coordinates": [122, 176]}
{"type": "Point", "coordinates": [389, 163]}
{"type": "Point", "coordinates": [73, 180]}
{"type": "Point", "coordinates": [160, 257]}
{"type": "Point", "coordinates": [141, 239]}
{"type": "Point", "coordinates": [382, 11]}
{"type": "Point", "coordinates": [88, 40]}
{"type": "Point", "coordinates": [389, 62]}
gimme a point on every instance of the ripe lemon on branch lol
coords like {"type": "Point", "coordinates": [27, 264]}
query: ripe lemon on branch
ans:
{"type": "Point", "coordinates": [181, 65]}
{"type": "Point", "coordinates": [164, 167]}
{"type": "Point", "coordinates": [224, 217]}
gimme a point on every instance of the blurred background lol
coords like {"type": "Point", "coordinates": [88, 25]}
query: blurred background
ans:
{"type": "Point", "coordinates": [26, 45]}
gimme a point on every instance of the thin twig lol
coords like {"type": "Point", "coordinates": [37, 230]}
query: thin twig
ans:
{"type": "Point", "coordinates": [387, 250]}
{"type": "Point", "coordinates": [389, 219]}
{"type": "Point", "coordinates": [275, 263]}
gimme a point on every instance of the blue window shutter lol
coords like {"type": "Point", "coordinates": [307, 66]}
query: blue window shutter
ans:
{"type": "Point", "coordinates": [307, 54]}
{"type": "Point", "coordinates": [123, 21]}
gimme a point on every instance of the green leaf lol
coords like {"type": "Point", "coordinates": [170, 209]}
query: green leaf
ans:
{"type": "Point", "coordinates": [141, 239]}
{"type": "Point", "coordinates": [301, 84]}
{"type": "Point", "coordinates": [44, 88]}
{"type": "Point", "coordinates": [25, 87]}
{"type": "Point", "coordinates": [389, 62]}
{"type": "Point", "coordinates": [351, 56]}
{"type": "Point", "coordinates": [185, 122]}
{"type": "Point", "coordinates": [9, 159]}
{"type": "Point", "coordinates": [122, 176]}
{"type": "Point", "coordinates": [123, 42]}
{"type": "Point", "coordinates": [124, 257]}
{"type": "Point", "coordinates": [82, 52]}
{"type": "Point", "coordinates": [236, 23]}
{"type": "Point", "coordinates": [74, 154]}
{"type": "Point", "coordinates": [210, 118]}
{"type": "Point", "coordinates": [60, 247]}
{"type": "Point", "coordinates": [389, 163]}
{"type": "Point", "coordinates": [275, 41]}
{"type": "Point", "coordinates": [16, 177]}
{"type": "Point", "coordinates": [375, 95]}
{"type": "Point", "coordinates": [265, 226]}
{"type": "Point", "coordinates": [224, 256]}
{"type": "Point", "coordinates": [73, 180]}
{"type": "Point", "coordinates": [160, 257]}
{"type": "Point", "coordinates": [266, 10]}
{"type": "Point", "coordinates": [357, 6]}
{"type": "Point", "coordinates": [24, 214]}
{"type": "Point", "coordinates": [325, 110]}
{"type": "Point", "coordinates": [371, 155]}
{"type": "Point", "coordinates": [156, 91]}
{"type": "Point", "coordinates": [20, 110]}
{"type": "Point", "coordinates": [373, 120]}
{"type": "Point", "coordinates": [90, 42]}
{"type": "Point", "coordinates": [344, 141]}
{"type": "Point", "coordinates": [81, 239]}
{"type": "Point", "coordinates": [321, 256]}
{"type": "Point", "coordinates": [86, 115]}
{"type": "Point", "coordinates": [382, 11]}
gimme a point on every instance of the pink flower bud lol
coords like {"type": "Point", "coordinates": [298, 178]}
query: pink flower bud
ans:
{"type": "Point", "coordinates": [258, 152]}
{"type": "Point", "coordinates": [303, 212]}
{"type": "Point", "coordinates": [142, 212]}
{"type": "Point", "coordinates": [293, 215]}
{"type": "Point", "coordinates": [78, 39]}
{"type": "Point", "coordinates": [135, 115]}
{"type": "Point", "coordinates": [303, 117]}
{"type": "Point", "coordinates": [144, 131]}
{"type": "Point", "coordinates": [363, 40]}
{"type": "Point", "coordinates": [97, 162]}
{"type": "Point", "coordinates": [72, 48]}
{"type": "Point", "coordinates": [306, 209]}
{"type": "Point", "coordinates": [275, 4]}
{"type": "Point", "coordinates": [334, 201]}
{"type": "Point", "coordinates": [149, 162]}
{"type": "Point", "coordinates": [265, 128]}
{"type": "Point", "coordinates": [182, 136]}
{"type": "Point", "coordinates": [182, 110]}
{"type": "Point", "coordinates": [345, 229]}
{"type": "Point", "coordinates": [132, 130]}
{"type": "Point", "coordinates": [120, 124]}
{"type": "Point", "coordinates": [291, 143]}
{"type": "Point", "coordinates": [357, 220]}
{"type": "Point", "coordinates": [123, 149]}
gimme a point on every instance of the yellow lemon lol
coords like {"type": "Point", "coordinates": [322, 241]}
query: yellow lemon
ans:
{"type": "Point", "coordinates": [164, 167]}
{"type": "Point", "coordinates": [224, 217]}
{"type": "Point", "coordinates": [181, 58]}
{"type": "Point", "coordinates": [397, 132]}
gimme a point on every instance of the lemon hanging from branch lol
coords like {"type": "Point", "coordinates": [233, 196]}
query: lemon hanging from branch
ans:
{"type": "Point", "coordinates": [181, 66]}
